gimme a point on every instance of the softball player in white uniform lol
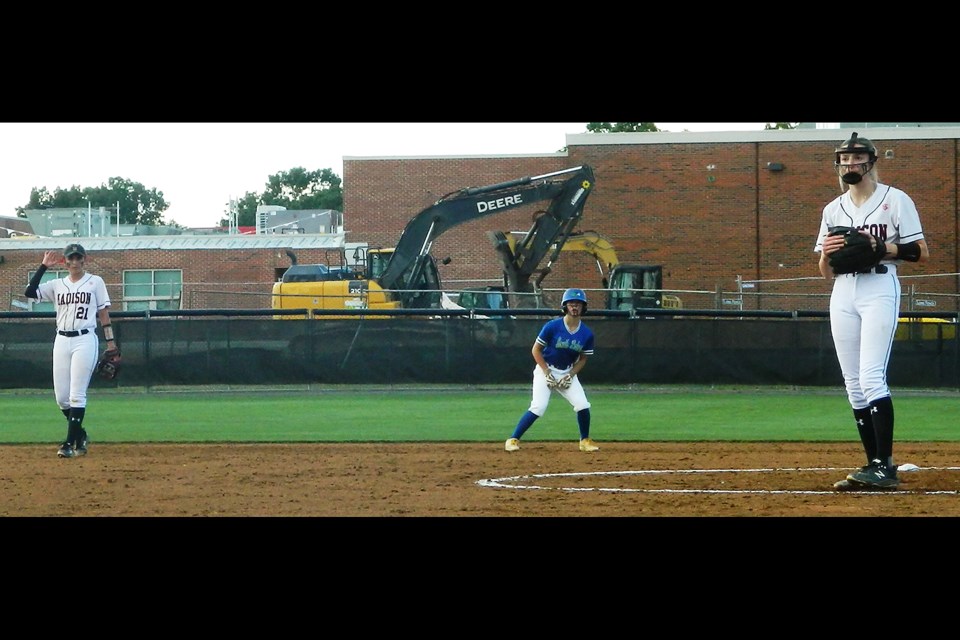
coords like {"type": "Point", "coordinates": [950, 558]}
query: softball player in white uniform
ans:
{"type": "Point", "coordinates": [80, 300]}
{"type": "Point", "coordinates": [864, 307]}
{"type": "Point", "coordinates": [560, 352]}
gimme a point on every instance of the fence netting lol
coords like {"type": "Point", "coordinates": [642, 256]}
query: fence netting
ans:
{"type": "Point", "coordinates": [399, 350]}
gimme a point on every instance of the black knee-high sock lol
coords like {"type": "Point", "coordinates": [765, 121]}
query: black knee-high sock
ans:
{"type": "Point", "coordinates": [881, 411]}
{"type": "Point", "coordinates": [75, 424]}
{"type": "Point", "coordinates": [868, 435]}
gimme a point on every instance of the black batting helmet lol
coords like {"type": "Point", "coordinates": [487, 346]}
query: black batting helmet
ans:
{"type": "Point", "coordinates": [856, 144]}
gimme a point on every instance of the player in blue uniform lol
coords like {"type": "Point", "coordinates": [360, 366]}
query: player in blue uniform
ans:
{"type": "Point", "coordinates": [560, 351]}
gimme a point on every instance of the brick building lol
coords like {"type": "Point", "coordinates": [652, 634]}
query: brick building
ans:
{"type": "Point", "coordinates": [716, 210]}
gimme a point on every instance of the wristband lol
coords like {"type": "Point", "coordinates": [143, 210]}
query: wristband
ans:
{"type": "Point", "coordinates": [909, 252]}
{"type": "Point", "coordinates": [108, 332]}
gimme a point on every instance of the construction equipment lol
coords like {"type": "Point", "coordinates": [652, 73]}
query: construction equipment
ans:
{"type": "Point", "coordinates": [629, 286]}
{"type": "Point", "coordinates": [407, 275]}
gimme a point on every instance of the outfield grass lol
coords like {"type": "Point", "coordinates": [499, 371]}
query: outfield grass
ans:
{"type": "Point", "coordinates": [399, 414]}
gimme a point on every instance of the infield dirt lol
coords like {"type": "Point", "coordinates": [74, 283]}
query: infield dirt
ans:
{"type": "Point", "coordinates": [623, 479]}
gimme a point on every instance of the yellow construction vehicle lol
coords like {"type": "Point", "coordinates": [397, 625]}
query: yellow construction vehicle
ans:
{"type": "Point", "coordinates": [630, 286]}
{"type": "Point", "coordinates": [334, 285]}
{"type": "Point", "coordinates": [925, 329]}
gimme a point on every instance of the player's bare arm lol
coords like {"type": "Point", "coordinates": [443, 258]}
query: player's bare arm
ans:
{"type": "Point", "coordinates": [105, 323]}
{"type": "Point", "coordinates": [578, 365]}
{"type": "Point", "coordinates": [537, 352]}
{"type": "Point", "coordinates": [830, 244]}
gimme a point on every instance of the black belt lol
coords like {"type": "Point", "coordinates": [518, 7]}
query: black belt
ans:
{"type": "Point", "coordinates": [880, 268]}
{"type": "Point", "coordinates": [74, 334]}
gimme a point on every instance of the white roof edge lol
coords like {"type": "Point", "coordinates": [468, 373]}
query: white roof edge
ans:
{"type": "Point", "coordinates": [559, 154]}
{"type": "Point", "coordinates": [182, 242]}
{"type": "Point", "coordinates": [710, 137]}
{"type": "Point", "coordinates": [767, 135]}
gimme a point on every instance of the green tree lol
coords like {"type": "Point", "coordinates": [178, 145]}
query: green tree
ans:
{"type": "Point", "coordinates": [620, 127]}
{"type": "Point", "coordinates": [780, 125]}
{"type": "Point", "coordinates": [296, 189]}
{"type": "Point", "coordinates": [138, 205]}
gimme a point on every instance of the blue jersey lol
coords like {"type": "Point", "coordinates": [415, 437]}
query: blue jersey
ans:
{"type": "Point", "coordinates": [561, 348]}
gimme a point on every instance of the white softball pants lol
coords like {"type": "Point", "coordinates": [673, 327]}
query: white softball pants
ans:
{"type": "Point", "coordinates": [540, 398]}
{"type": "Point", "coordinates": [74, 360]}
{"type": "Point", "coordinates": [864, 309]}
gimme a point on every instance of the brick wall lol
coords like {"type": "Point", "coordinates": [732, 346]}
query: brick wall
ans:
{"type": "Point", "coordinates": [228, 278]}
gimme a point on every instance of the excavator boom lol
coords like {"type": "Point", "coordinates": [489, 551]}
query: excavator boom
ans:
{"type": "Point", "coordinates": [567, 191]}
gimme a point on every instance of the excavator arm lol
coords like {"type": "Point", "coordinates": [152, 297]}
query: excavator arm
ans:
{"type": "Point", "coordinates": [631, 286]}
{"type": "Point", "coordinates": [567, 196]}
{"type": "Point", "coordinates": [590, 242]}
{"type": "Point", "coordinates": [550, 231]}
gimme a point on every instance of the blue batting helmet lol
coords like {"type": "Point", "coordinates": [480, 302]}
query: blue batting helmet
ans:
{"type": "Point", "coordinates": [573, 294]}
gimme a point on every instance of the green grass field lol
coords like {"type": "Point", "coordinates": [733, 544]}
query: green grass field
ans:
{"type": "Point", "coordinates": [483, 414]}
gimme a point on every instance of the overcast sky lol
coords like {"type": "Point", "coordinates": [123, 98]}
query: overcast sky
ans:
{"type": "Point", "coordinates": [200, 166]}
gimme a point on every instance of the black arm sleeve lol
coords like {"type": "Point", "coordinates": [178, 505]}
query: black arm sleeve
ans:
{"type": "Point", "coordinates": [31, 291]}
{"type": "Point", "coordinates": [909, 251]}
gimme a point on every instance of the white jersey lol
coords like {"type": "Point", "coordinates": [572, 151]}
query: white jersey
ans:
{"type": "Point", "coordinates": [77, 303]}
{"type": "Point", "coordinates": [889, 214]}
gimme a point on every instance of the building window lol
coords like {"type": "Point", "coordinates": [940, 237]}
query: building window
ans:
{"type": "Point", "coordinates": [152, 289]}
{"type": "Point", "coordinates": [45, 305]}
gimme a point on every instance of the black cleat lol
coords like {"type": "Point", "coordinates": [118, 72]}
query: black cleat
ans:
{"type": "Point", "coordinates": [81, 447]}
{"type": "Point", "coordinates": [66, 451]}
{"type": "Point", "coordinates": [875, 475]}
{"type": "Point", "coordinates": [846, 485]}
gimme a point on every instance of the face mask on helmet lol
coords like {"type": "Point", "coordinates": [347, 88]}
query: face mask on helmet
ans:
{"type": "Point", "coordinates": [854, 176]}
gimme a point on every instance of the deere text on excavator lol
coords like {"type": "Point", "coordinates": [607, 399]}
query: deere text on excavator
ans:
{"type": "Point", "coordinates": [406, 277]}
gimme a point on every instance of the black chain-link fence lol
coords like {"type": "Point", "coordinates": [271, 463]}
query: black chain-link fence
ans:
{"type": "Point", "coordinates": [695, 347]}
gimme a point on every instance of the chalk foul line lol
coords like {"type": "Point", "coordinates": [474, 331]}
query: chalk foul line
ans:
{"type": "Point", "coordinates": [520, 482]}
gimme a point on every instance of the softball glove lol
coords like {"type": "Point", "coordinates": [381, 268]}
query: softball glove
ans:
{"type": "Point", "coordinates": [858, 252]}
{"type": "Point", "coordinates": [109, 364]}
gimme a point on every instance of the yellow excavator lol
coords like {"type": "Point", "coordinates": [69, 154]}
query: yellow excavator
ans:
{"type": "Point", "coordinates": [630, 286]}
